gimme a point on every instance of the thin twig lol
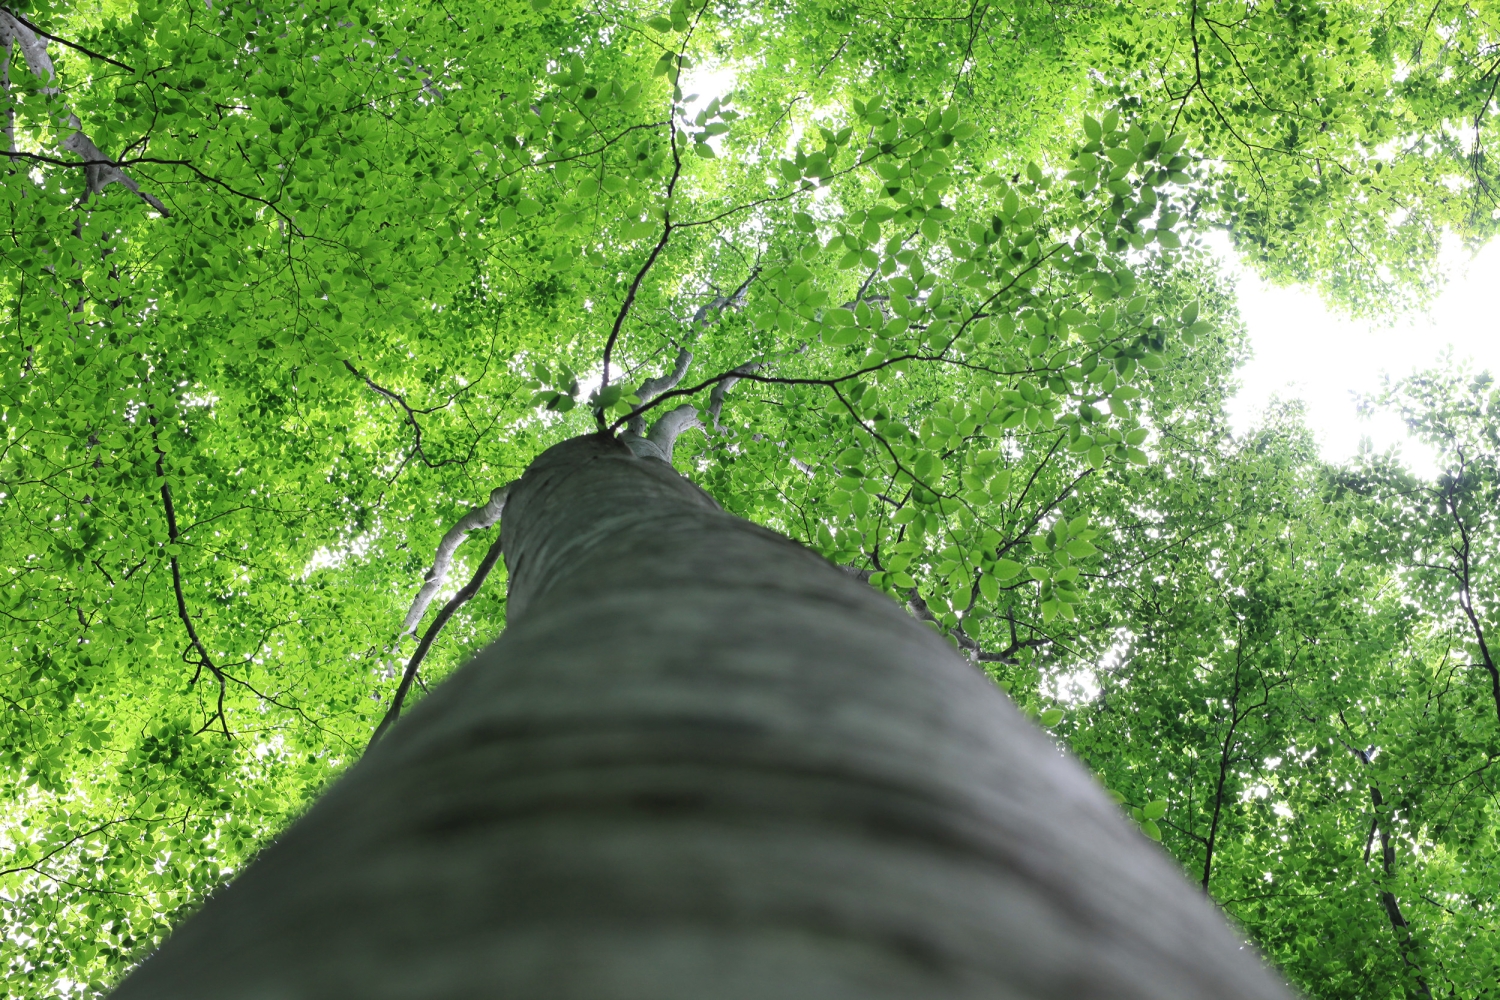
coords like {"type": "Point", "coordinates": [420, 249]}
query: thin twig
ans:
{"type": "Point", "coordinates": [63, 41]}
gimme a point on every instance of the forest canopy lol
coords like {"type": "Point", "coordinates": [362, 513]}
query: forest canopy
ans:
{"type": "Point", "coordinates": [291, 289]}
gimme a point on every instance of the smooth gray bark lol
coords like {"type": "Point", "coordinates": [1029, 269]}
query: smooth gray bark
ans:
{"type": "Point", "coordinates": [703, 762]}
{"type": "Point", "coordinates": [476, 519]}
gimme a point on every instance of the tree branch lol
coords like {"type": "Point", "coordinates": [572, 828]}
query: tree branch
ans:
{"type": "Point", "coordinates": [1466, 596]}
{"type": "Point", "coordinates": [665, 431]}
{"type": "Point", "coordinates": [411, 417]}
{"type": "Point", "coordinates": [458, 600]}
{"type": "Point", "coordinates": [475, 519]}
{"type": "Point", "coordinates": [63, 41]}
{"type": "Point", "coordinates": [653, 387]}
{"type": "Point", "coordinates": [99, 170]}
{"type": "Point", "coordinates": [635, 284]}
{"type": "Point", "coordinates": [204, 660]}
{"type": "Point", "coordinates": [716, 397]}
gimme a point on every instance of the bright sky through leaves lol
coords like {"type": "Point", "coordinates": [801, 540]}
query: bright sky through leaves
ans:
{"type": "Point", "coordinates": [1303, 350]}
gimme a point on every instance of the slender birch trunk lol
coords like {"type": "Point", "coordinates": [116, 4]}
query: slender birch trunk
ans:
{"type": "Point", "coordinates": [704, 763]}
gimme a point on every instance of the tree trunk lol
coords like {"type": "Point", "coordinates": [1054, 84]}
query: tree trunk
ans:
{"type": "Point", "coordinates": [703, 762]}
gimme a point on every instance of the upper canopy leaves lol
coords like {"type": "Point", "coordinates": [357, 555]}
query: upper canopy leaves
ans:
{"type": "Point", "coordinates": [935, 276]}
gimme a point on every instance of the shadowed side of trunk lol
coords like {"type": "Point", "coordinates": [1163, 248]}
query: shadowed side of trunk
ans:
{"type": "Point", "coordinates": [702, 762]}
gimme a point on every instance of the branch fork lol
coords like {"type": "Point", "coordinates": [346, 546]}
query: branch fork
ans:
{"type": "Point", "coordinates": [99, 170]}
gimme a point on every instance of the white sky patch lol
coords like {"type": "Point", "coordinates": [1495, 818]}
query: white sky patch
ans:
{"type": "Point", "coordinates": [589, 382]}
{"type": "Point", "coordinates": [333, 557]}
{"type": "Point", "coordinates": [1304, 351]}
{"type": "Point", "coordinates": [1074, 687]}
{"type": "Point", "coordinates": [1081, 685]}
{"type": "Point", "coordinates": [702, 83]}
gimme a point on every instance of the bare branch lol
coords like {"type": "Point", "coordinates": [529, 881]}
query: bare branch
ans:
{"type": "Point", "coordinates": [411, 413]}
{"type": "Point", "coordinates": [195, 643]}
{"type": "Point", "coordinates": [659, 442]}
{"type": "Point", "coordinates": [716, 397]}
{"type": "Point", "coordinates": [99, 170]}
{"type": "Point", "coordinates": [919, 609]}
{"type": "Point", "coordinates": [100, 175]}
{"type": "Point", "coordinates": [32, 48]}
{"type": "Point", "coordinates": [479, 517]}
{"type": "Point", "coordinates": [458, 600]}
{"type": "Point", "coordinates": [1009, 653]}
{"type": "Point", "coordinates": [653, 387]}
{"type": "Point", "coordinates": [63, 41]}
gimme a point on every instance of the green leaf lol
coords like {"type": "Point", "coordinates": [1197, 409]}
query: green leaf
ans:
{"type": "Point", "coordinates": [1155, 810]}
{"type": "Point", "coordinates": [1080, 549]}
{"type": "Point", "coordinates": [989, 586]}
{"type": "Point", "coordinates": [641, 229]}
{"type": "Point", "coordinates": [1051, 717]}
{"type": "Point", "coordinates": [929, 468]}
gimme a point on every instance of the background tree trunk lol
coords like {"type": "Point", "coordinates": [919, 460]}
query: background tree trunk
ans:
{"type": "Point", "coordinates": [703, 762]}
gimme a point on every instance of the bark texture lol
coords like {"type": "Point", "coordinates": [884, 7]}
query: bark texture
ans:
{"type": "Point", "coordinates": [703, 762]}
